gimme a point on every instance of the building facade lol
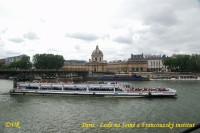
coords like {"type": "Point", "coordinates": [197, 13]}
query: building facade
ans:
{"type": "Point", "coordinates": [137, 63]}
{"type": "Point", "coordinates": [96, 63]}
{"type": "Point", "coordinates": [9, 60]}
{"type": "Point", "coordinates": [155, 63]}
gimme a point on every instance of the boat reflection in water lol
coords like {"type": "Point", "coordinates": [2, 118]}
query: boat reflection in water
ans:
{"type": "Point", "coordinates": [109, 89]}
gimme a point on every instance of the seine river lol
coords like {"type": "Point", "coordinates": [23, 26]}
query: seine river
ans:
{"type": "Point", "coordinates": [63, 114]}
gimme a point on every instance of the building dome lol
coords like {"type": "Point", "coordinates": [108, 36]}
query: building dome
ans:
{"type": "Point", "coordinates": [97, 55]}
{"type": "Point", "coordinates": [97, 52]}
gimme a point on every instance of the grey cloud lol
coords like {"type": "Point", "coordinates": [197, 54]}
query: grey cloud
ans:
{"type": "Point", "coordinates": [32, 50]}
{"type": "Point", "coordinates": [30, 36]}
{"type": "Point", "coordinates": [8, 53]}
{"type": "Point", "coordinates": [162, 18]}
{"type": "Point", "coordinates": [12, 53]}
{"type": "Point", "coordinates": [1, 43]}
{"type": "Point", "coordinates": [158, 29]}
{"type": "Point", "coordinates": [105, 37]}
{"type": "Point", "coordinates": [163, 14]}
{"type": "Point", "coordinates": [77, 47]}
{"type": "Point", "coordinates": [52, 50]}
{"type": "Point", "coordinates": [123, 39]}
{"type": "Point", "coordinates": [83, 36]}
{"type": "Point", "coordinates": [16, 40]}
{"type": "Point", "coordinates": [172, 26]}
{"type": "Point", "coordinates": [153, 11]}
{"type": "Point", "coordinates": [42, 20]}
{"type": "Point", "coordinates": [2, 31]}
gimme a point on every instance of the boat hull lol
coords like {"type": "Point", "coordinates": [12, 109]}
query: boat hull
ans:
{"type": "Point", "coordinates": [96, 94]}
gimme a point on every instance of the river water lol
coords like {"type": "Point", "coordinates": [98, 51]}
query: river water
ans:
{"type": "Point", "coordinates": [63, 114]}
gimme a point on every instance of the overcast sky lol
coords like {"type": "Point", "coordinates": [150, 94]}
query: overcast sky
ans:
{"type": "Point", "coordinates": [73, 28]}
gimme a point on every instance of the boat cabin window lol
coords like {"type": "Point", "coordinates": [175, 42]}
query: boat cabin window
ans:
{"type": "Point", "coordinates": [56, 88]}
{"type": "Point", "coordinates": [28, 86]}
{"type": "Point", "coordinates": [74, 89]}
{"type": "Point", "coordinates": [117, 89]}
{"type": "Point", "coordinates": [101, 89]}
{"type": "Point", "coordinates": [45, 88]}
{"type": "Point", "coordinates": [32, 87]}
{"type": "Point", "coordinates": [127, 86]}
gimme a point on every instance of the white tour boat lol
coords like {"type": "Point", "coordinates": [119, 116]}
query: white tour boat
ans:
{"type": "Point", "coordinates": [110, 89]}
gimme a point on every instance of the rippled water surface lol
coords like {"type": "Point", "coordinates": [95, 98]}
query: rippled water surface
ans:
{"type": "Point", "coordinates": [66, 113]}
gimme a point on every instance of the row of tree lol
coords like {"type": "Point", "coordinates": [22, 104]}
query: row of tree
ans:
{"type": "Point", "coordinates": [40, 61]}
{"type": "Point", "coordinates": [48, 61]}
{"type": "Point", "coordinates": [179, 63]}
{"type": "Point", "coordinates": [23, 63]}
{"type": "Point", "coordinates": [183, 63]}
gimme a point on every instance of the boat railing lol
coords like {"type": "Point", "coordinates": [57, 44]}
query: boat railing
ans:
{"type": "Point", "coordinates": [148, 89]}
{"type": "Point", "coordinates": [66, 87]}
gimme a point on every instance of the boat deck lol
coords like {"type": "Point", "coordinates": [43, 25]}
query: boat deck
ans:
{"type": "Point", "coordinates": [90, 90]}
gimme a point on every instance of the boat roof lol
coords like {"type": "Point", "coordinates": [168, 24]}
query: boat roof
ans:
{"type": "Point", "coordinates": [67, 85]}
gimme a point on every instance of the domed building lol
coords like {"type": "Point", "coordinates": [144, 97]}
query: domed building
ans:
{"type": "Point", "coordinates": [96, 63]}
{"type": "Point", "coordinates": [97, 55]}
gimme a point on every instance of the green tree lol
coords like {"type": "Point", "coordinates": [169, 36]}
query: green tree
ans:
{"type": "Point", "coordinates": [23, 63]}
{"type": "Point", "coordinates": [171, 62]}
{"type": "Point", "coordinates": [14, 65]}
{"type": "Point", "coordinates": [48, 61]}
{"type": "Point", "coordinates": [179, 63]}
{"type": "Point", "coordinates": [194, 63]}
{"type": "Point", "coordinates": [1, 65]}
{"type": "Point", "coordinates": [183, 63]}
{"type": "Point", "coordinates": [4, 66]}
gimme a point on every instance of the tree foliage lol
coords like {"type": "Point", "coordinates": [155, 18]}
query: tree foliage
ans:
{"type": "Point", "coordinates": [24, 63]}
{"type": "Point", "coordinates": [194, 63]}
{"type": "Point", "coordinates": [1, 65]}
{"type": "Point", "coordinates": [48, 61]}
{"type": "Point", "coordinates": [183, 63]}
